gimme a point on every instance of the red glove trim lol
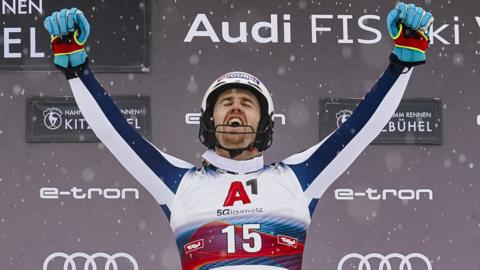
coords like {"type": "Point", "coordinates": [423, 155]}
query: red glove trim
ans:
{"type": "Point", "coordinates": [413, 43]}
{"type": "Point", "coordinates": [66, 45]}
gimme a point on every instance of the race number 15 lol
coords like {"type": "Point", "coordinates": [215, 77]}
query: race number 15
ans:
{"type": "Point", "coordinates": [248, 234]}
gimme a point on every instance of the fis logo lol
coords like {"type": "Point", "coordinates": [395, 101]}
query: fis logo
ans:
{"type": "Point", "coordinates": [287, 241]}
{"type": "Point", "coordinates": [193, 246]}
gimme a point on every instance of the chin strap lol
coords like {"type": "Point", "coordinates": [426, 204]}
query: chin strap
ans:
{"type": "Point", "coordinates": [233, 152]}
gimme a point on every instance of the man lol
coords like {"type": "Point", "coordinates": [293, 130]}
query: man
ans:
{"type": "Point", "coordinates": [235, 213]}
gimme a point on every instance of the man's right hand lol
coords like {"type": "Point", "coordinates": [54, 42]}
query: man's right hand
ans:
{"type": "Point", "coordinates": [69, 30]}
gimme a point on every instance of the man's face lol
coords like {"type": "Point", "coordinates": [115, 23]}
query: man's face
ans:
{"type": "Point", "coordinates": [236, 107]}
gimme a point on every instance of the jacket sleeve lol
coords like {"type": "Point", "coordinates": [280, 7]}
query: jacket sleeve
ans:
{"type": "Point", "coordinates": [158, 172]}
{"type": "Point", "coordinates": [319, 166]}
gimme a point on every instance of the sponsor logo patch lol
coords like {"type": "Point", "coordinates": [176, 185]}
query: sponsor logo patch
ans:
{"type": "Point", "coordinates": [193, 246]}
{"type": "Point", "coordinates": [287, 241]}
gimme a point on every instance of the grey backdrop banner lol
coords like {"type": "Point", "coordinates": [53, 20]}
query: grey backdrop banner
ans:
{"type": "Point", "coordinates": [416, 121]}
{"type": "Point", "coordinates": [58, 119]}
{"type": "Point", "coordinates": [310, 50]}
{"type": "Point", "coordinates": [122, 30]}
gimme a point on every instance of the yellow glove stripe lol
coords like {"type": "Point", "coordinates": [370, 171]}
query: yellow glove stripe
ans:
{"type": "Point", "coordinates": [410, 48]}
{"type": "Point", "coordinates": [423, 34]}
{"type": "Point", "coordinates": [75, 38]}
{"type": "Point", "coordinates": [58, 54]}
{"type": "Point", "coordinates": [399, 32]}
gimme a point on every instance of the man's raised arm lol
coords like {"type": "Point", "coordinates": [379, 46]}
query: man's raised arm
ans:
{"type": "Point", "coordinates": [319, 166]}
{"type": "Point", "coordinates": [158, 172]}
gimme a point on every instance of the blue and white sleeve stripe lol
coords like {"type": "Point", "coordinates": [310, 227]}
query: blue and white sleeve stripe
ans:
{"type": "Point", "coordinates": [158, 172]}
{"type": "Point", "coordinates": [319, 166]}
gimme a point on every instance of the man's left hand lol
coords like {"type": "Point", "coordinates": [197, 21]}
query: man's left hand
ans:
{"type": "Point", "coordinates": [408, 26]}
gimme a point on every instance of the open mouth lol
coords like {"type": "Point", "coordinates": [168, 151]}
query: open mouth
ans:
{"type": "Point", "coordinates": [235, 122]}
{"type": "Point", "coordinates": [234, 125]}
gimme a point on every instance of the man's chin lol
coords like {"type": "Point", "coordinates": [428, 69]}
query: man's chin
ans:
{"type": "Point", "coordinates": [234, 141]}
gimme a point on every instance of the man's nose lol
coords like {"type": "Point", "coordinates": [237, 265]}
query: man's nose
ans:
{"type": "Point", "coordinates": [236, 107]}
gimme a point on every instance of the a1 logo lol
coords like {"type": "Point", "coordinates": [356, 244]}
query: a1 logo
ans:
{"type": "Point", "coordinates": [237, 192]}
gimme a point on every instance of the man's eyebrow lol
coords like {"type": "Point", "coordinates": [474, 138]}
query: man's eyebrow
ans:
{"type": "Point", "coordinates": [230, 97]}
{"type": "Point", "coordinates": [226, 98]}
{"type": "Point", "coordinates": [247, 98]}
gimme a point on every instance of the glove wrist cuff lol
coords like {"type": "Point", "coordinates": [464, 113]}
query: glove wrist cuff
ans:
{"type": "Point", "coordinates": [74, 72]}
{"type": "Point", "coordinates": [399, 66]}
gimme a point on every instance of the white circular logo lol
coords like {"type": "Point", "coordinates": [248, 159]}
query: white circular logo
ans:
{"type": "Point", "coordinates": [342, 116]}
{"type": "Point", "coordinates": [90, 263]}
{"type": "Point", "coordinates": [52, 118]}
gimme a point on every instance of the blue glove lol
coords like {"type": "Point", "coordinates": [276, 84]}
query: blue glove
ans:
{"type": "Point", "coordinates": [408, 26]}
{"type": "Point", "coordinates": [69, 30]}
